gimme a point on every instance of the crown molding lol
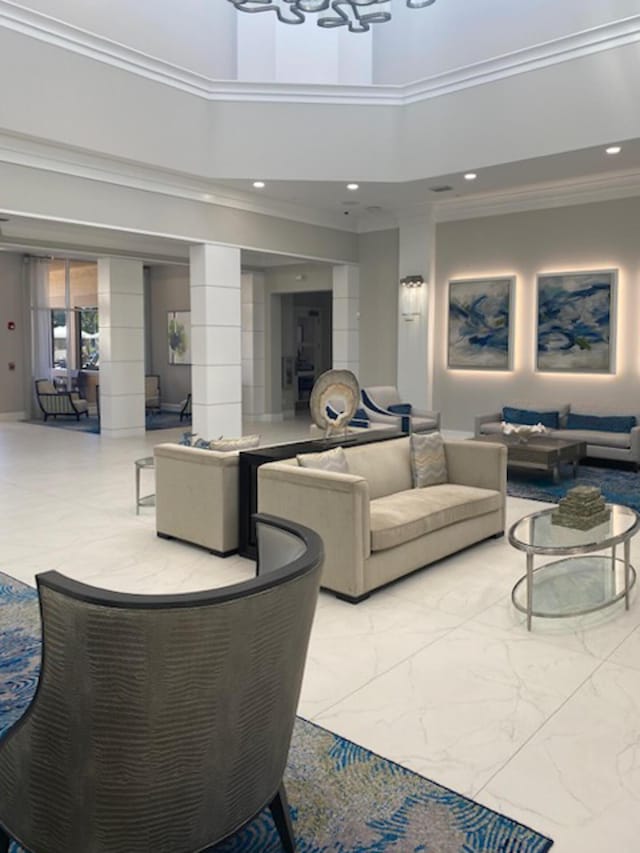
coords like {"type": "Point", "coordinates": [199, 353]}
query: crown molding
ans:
{"type": "Point", "coordinates": [603, 187]}
{"type": "Point", "coordinates": [23, 151]}
{"type": "Point", "coordinates": [55, 32]}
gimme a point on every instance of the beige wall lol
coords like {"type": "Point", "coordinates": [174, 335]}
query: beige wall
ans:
{"type": "Point", "coordinates": [378, 307]}
{"type": "Point", "coordinates": [168, 291]}
{"type": "Point", "coordinates": [582, 237]}
{"type": "Point", "coordinates": [12, 344]}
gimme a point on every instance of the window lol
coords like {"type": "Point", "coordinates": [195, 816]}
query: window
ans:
{"type": "Point", "coordinates": [88, 349]}
{"type": "Point", "coordinates": [59, 338]}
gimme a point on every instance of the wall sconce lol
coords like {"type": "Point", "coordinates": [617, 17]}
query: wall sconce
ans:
{"type": "Point", "coordinates": [411, 303]}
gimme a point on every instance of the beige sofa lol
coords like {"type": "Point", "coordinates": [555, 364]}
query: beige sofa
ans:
{"type": "Point", "coordinates": [601, 443]}
{"type": "Point", "coordinates": [374, 525]}
{"type": "Point", "coordinates": [197, 496]}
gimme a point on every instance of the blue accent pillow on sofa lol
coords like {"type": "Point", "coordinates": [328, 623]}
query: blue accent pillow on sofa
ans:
{"type": "Point", "coordinates": [530, 417]}
{"type": "Point", "coordinates": [601, 423]}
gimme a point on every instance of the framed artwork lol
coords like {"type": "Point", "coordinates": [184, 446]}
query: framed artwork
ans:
{"type": "Point", "coordinates": [575, 321]}
{"type": "Point", "coordinates": [480, 312]}
{"type": "Point", "coordinates": [179, 337]}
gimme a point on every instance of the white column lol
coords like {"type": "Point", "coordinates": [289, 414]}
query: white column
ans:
{"type": "Point", "coordinates": [216, 360]}
{"type": "Point", "coordinates": [415, 336]}
{"type": "Point", "coordinates": [253, 361]}
{"type": "Point", "coordinates": [121, 317]}
{"type": "Point", "coordinates": [346, 318]}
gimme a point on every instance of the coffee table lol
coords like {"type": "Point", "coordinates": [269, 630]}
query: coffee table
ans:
{"type": "Point", "coordinates": [540, 452]}
{"type": "Point", "coordinates": [582, 581]}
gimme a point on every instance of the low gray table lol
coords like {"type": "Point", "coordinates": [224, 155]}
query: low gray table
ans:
{"type": "Point", "coordinates": [539, 452]}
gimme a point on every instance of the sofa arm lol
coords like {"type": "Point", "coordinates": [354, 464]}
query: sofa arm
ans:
{"type": "Point", "coordinates": [197, 455]}
{"type": "Point", "coordinates": [335, 505]}
{"type": "Point", "coordinates": [424, 414]}
{"type": "Point", "coordinates": [635, 444]}
{"type": "Point", "coordinates": [485, 419]}
{"type": "Point", "coordinates": [474, 463]}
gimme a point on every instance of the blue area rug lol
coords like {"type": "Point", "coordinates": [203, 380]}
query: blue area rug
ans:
{"type": "Point", "coordinates": [621, 486]}
{"type": "Point", "coordinates": [158, 420]}
{"type": "Point", "coordinates": [344, 798]}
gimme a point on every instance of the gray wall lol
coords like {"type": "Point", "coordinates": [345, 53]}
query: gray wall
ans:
{"type": "Point", "coordinates": [168, 291]}
{"type": "Point", "coordinates": [583, 237]}
{"type": "Point", "coordinates": [12, 344]}
{"type": "Point", "coordinates": [378, 307]}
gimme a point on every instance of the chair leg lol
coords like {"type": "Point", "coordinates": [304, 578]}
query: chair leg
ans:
{"type": "Point", "coordinates": [4, 841]}
{"type": "Point", "coordinates": [279, 807]}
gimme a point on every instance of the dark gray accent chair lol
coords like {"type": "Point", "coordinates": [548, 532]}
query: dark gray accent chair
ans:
{"type": "Point", "coordinates": [162, 723]}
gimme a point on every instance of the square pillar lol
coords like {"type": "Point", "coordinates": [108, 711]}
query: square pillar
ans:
{"type": "Point", "coordinates": [346, 318]}
{"type": "Point", "coordinates": [121, 318]}
{"type": "Point", "coordinates": [216, 341]}
{"type": "Point", "coordinates": [253, 353]}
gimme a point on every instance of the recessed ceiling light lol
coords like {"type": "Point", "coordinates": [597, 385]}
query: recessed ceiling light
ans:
{"type": "Point", "coordinates": [259, 185]}
{"type": "Point", "coordinates": [470, 176]}
{"type": "Point", "coordinates": [353, 187]}
{"type": "Point", "coordinates": [614, 149]}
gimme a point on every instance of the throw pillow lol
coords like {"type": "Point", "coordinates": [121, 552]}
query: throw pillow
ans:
{"type": "Point", "coordinates": [531, 417]}
{"type": "Point", "coordinates": [246, 442]}
{"type": "Point", "coordinates": [428, 460]}
{"type": "Point", "coordinates": [330, 460]}
{"type": "Point", "coordinates": [604, 423]}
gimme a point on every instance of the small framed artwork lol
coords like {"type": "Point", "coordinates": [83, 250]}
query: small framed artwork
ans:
{"type": "Point", "coordinates": [576, 313]}
{"type": "Point", "coordinates": [480, 312]}
{"type": "Point", "coordinates": [179, 337]}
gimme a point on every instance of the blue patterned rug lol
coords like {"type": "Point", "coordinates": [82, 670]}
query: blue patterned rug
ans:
{"type": "Point", "coordinates": [344, 799]}
{"type": "Point", "coordinates": [618, 485]}
{"type": "Point", "coordinates": [158, 420]}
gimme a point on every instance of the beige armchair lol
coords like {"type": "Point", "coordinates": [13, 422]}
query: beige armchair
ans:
{"type": "Point", "coordinates": [54, 403]}
{"type": "Point", "coordinates": [197, 496]}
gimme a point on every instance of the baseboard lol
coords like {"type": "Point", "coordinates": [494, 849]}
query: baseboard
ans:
{"type": "Point", "coordinates": [13, 416]}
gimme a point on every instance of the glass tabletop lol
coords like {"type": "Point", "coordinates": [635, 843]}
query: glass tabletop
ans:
{"type": "Point", "coordinates": [537, 533]}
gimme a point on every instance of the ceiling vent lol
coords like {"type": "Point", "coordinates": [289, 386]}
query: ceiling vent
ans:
{"type": "Point", "coordinates": [445, 188]}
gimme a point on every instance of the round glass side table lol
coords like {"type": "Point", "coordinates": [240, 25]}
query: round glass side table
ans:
{"type": "Point", "coordinates": [145, 463]}
{"type": "Point", "coordinates": [582, 581]}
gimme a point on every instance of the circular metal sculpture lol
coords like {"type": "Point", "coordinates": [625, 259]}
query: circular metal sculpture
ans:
{"type": "Point", "coordinates": [334, 392]}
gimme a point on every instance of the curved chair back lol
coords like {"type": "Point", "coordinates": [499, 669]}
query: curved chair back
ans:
{"type": "Point", "coordinates": [161, 723]}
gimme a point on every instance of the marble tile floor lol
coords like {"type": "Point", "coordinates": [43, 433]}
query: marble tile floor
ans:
{"type": "Point", "coordinates": [437, 671]}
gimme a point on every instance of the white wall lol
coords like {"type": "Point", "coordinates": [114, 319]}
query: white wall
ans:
{"type": "Point", "coordinates": [12, 382]}
{"type": "Point", "coordinates": [379, 284]}
{"type": "Point", "coordinates": [584, 237]}
{"type": "Point", "coordinates": [419, 43]}
{"type": "Point", "coordinates": [194, 34]}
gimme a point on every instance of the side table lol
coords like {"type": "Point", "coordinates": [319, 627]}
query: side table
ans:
{"type": "Point", "coordinates": [147, 462]}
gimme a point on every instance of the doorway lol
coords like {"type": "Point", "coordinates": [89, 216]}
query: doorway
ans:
{"type": "Point", "coordinates": [307, 346]}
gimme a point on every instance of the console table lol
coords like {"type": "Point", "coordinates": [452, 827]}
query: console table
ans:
{"type": "Point", "coordinates": [250, 460]}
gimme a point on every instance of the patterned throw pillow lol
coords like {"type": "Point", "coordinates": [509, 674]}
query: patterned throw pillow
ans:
{"type": "Point", "coordinates": [247, 442]}
{"type": "Point", "coordinates": [331, 460]}
{"type": "Point", "coordinates": [428, 460]}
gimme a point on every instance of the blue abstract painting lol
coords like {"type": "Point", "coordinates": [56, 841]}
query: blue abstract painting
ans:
{"type": "Point", "coordinates": [575, 321]}
{"type": "Point", "coordinates": [480, 324]}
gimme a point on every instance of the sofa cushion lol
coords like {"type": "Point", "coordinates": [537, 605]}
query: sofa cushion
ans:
{"type": "Point", "coordinates": [606, 423]}
{"type": "Point", "coordinates": [385, 465]}
{"type": "Point", "coordinates": [531, 417]}
{"type": "Point", "coordinates": [597, 437]}
{"type": "Point", "coordinates": [428, 460]}
{"type": "Point", "coordinates": [491, 428]}
{"type": "Point", "coordinates": [407, 515]}
{"type": "Point", "coordinates": [329, 460]}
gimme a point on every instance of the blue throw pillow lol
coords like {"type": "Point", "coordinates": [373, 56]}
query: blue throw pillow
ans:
{"type": "Point", "coordinates": [601, 423]}
{"type": "Point", "coordinates": [530, 417]}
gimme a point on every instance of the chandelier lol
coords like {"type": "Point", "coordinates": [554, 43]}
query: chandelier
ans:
{"type": "Point", "coordinates": [357, 15]}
